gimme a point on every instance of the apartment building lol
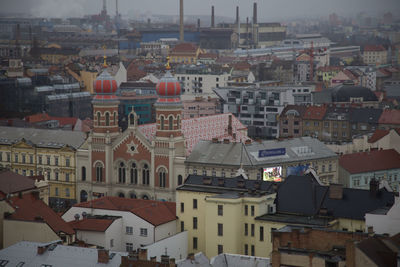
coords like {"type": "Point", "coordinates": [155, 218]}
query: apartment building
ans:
{"type": "Point", "coordinates": [375, 55]}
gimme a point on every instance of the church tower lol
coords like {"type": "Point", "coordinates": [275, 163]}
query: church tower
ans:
{"type": "Point", "coordinates": [169, 143]}
{"type": "Point", "coordinates": [105, 128]}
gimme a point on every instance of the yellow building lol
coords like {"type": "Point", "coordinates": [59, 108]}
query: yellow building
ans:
{"type": "Point", "coordinates": [51, 153]}
{"type": "Point", "coordinates": [326, 73]}
{"type": "Point", "coordinates": [56, 55]}
{"type": "Point", "coordinates": [186, 53]}
{"type": "Point", "coordinates": [234, 215]}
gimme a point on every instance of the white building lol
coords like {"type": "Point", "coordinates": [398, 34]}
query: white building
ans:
{"type": "Point", "coordinates": [143, 222]}
{"type": "Point", "coordinates": [385, 220]}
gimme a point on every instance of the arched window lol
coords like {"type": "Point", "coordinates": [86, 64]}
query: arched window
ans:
{"type": "Point", "coordinates": [107, 119]}
{"type": "Point", "coordinates": [161, 176]}
{"type": "Point", "coordinates": [121, 194]}
{"type": "Point", "coordinates": [161, 122]}
{"type": "Point", "coordinates": [132, 195]}
{"type": "Point", "coordinates": [84, 196]}
{"type": "Point", "coordinates": [98, 118]}
{"type": "Point", "coordinates": [115, 118]}
{"type": "Point", "coordinates": [133, 174]}
{"type": "Point", "coordinates": [146, 174]}
{"type": "Point", "coordinates": [178, 122]}
{"type": "Point", "coordinates": [171, 123]}
{"type": "Point", "coordinates": [180, 179]}
{"type": "Point", "coordinates": [121, 173]}
{"type": "Point", "coordinates": [131, 120]}
{"type": "Point", "coordinates": [99, 172]}
{"type": "Point", "coordinates": [83, 175]}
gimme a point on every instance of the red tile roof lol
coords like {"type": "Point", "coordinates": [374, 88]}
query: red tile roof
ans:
{"type": "Point", "coordinates": [37, 117]}
{"type": "Point", "coordinates": [330, 68]}
{"type": "Point", "coordinates": [29, 208]}
{"type": "Point", "coordinates": [315, 113]}
{"type": "Point", "coordinates": [371, 48]}
{"type": "Point", "coordinates": [91, 224]}
{"type": "Point", "coordinates": [374, 160]}
{"type": "Point", "coordinates": [11, 182]}
{"type": "Point", "coordinates": [184, 48]}
{"type": "Point", "coordinates": [390, 116]}
{"type": "Point", "coordinates": [154, 212]}
{"type": "Point", "coordinates": [208, 55]}
{"type": "Point", "coordinates": [377, 135]}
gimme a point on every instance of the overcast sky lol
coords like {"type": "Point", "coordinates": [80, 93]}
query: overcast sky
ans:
{"type": "Point", "coordinates": [267, 9]}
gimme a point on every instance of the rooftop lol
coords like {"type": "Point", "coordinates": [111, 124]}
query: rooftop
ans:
{"type": "Point", "coordinates": [95, 224]}
{"type": "Point", "coordinates": [11, 182]}
{"type": "Point", "coordinates": [390, 116]}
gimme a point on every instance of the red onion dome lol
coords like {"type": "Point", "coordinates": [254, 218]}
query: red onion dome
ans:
{"type": "Point", "coordinates": [168, 86]}
{"type": "Point", "coordinates": [105, 84]}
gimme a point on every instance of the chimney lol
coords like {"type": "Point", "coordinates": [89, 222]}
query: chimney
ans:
{"type": "Point", "coordinates": [41, 250]}
{"type": "Point", "coordinates": [102, 256]}
{"type": "Point", "coordinates": [247, 142]}
{"type": "Point", "coordinates": [143, 254]}
{"type": "Point", "coordinates": [230, 124]}
{"type": "Point", "coordinates": [255, 13]}
{"type": "Point", "coordinates": [221, 181]}
{"type": "Point", "coordinates": [164, 259]}
{"type": "Point", "coordinates": [226, 141]}
{"type": "Point", "coordinates": [373, 187]}
{"type": "Point", "coordinates": [212, 17]}
{"type": "Point", "coordinates": [335, 191]}
{"type": "Point", "coordinates": [215, 140]}
{"type": "Point", "coordinates": [181, 31]}
{"type": "Point", "coordinates": [153, 259]}
{"type": "Point", "coordinates": [172, 262]}
{"type": "Point", "coordinates": [237, 15]}
{"type": "Point", "coordinates": [134, 254]}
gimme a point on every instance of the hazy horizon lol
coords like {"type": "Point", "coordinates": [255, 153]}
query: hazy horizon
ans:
{"type": "Point", "coordinates": [267, 10]}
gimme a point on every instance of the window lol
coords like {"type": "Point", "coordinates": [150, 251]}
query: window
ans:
{"type": "Point", "coordinates": [180, 179]}
{"type": "Point", "coordinates": [205, 172]}
{"type": "Point", "coordinates": [9, 157]}
{"type": "Point", "coordinates": [56, 176]}
{"type": "Point", "coordinates": [107, 119]}
{"type": "Point", "coordinates": [252, 250]}
{"type": "Point", "coordinates": [56, 161]}
{"type": "Point", "coordinates": [31, 173]}
{"type": "Point", "coordinates": [67, 194]}
{"type": "Point", "coordinates": [171, 123]}
{"type": "Point", "coordinates": [356, 182]}
{"type": "Point", "coordinates": [121, 173]}
{"type": "Point", "coordinates": [220, 249]}
{"type": "Point", "coordinates": [220, 210]}
{"type": "Point", "coordinates": [129, 230]}
{"type": "Point", "coordinates": [323, 168]}
{"type": "Point", "coordinates": [56, 191]}
{"type": "Point", "coordinates": [161, 122]}
{"type": "Point", "coordinates": [67, 162]}
{"type": "Point", "coordinates": [129, 247]}
{"type": "Point", "coordinates": [246, 210]}
{"type": "Point", "coordinates": [194, 203]}
{"type": "Point", "coordinates": [16, 158]}
{"type": "Point", "coordinates": [115, 118]}
{"type": "Point", "coordinates": [48, 160]}
{"type": "Point", "coordinates": [133, 174]}
{"type": "Point", "coordinates": [261, 233]}
{"type": "Point", "coordinates": [146, 174]}
{"type": "Point", "coordinates": [20, 264]}
{"type": "Point", "coordinates": [67, 177]}
{"type": "Point", "coordinates": [326, 124]}
{"type": "Point", "coordinates": [252, 210]}
{"type": "Point", "coordinates": [194, 242]}
{"type": "Point", "coordinates": [246, 249]}
{"type": "Point", "coordinates": [111, 243]}
{"type": "Point", "coordinates": [98, 118]}
{"type": "Point", "coordinates": [23, 158]}
{"type": "Point", "coordinates": [220, 229]}
{"type": "Point", "coordinates": [162, 179]}
{"type": "Point", "coordinates": [99, 172]}
{"type": "Point", "coordinates": [143, 231]}
{"type": "Point", "coordinates": [194, 222]}
{"type": "Point", "coordinates": [83, 174]}
{"type": "Point", "coordinates": [330, 167]}
{"type": "Point", "coordinates": [252, 229]}
{"type": "Point", "coordinates": [182, 226]}
{"type": "Point", "coordinates": [182, 207]}
{"type": "Point", "coordinates": [194, 171]}
{"type": "Point", "coordinates": [316, 123]}
{"type": "Point", "coordinates": [246, 229]}
{"type": "Point", "coordinates": [31, 159]}
{"type": "Point", "coordinates": [178, 118]}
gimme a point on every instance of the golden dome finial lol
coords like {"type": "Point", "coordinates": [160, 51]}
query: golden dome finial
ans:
{"type": "Point", "coordinates": [105, 57]}
{"type": "Point", "coordinates": [167, 67]}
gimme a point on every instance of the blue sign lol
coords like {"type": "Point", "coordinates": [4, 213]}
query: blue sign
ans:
{"type": "Point", "coordinates": [271, 152]}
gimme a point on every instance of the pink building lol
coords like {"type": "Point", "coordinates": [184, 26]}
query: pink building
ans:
{"type": "Point", "coordinates": [200, 107]}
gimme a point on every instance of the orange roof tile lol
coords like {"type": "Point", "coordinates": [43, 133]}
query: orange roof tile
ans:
{"type": "Point", "coordinates": [29, 208]}
{"type": "Point", "coordinates": [184, 47]}
{"type": "Point", "coordinates": [11, 182]}
{"type": "Point", "coordinates": [315, 113]}
{"type": "Point", "coordinates": [154, 212]}
{"type": "Point", "coordinates": [37, 117]}
{"type": "Point", "coordinates": [91, 224]}
{"type": "Point", "coordinates": [374, 160]}
{"type": "Point", "coordinates": [390, 116]}
{"type": "Point", "coordinates": [371, 48]}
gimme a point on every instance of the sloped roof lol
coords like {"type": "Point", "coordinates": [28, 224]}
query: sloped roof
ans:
{"type": "Point", "coordinates": [343, 93]}
{"type": "Point", "coordinates": [378, 251]}
{"type": "Point", "coordinates": [374, 48]}
{"type": "Point", "coordinates": [184, 48]}
{"type": "Point", "coordinates": [365, 115]}
{"type": "Point", "coordinates": [29, 208]}
{"type": "Point", "coordinates": [315, 113]}
{"type": "Point", "coordinates": [301, 109]}
{"type": "Point", "coordinates": [154, 212]}
{"type": "Point", "coordinates": [11, 182]}
{"type": "Point", "coordinates": [91, 224]}
{"type": "Point", "coordinates": [390, 116]}
{"type": "Point", "coordinates": [193, 129]}
{"type": "Point", "coordinates": [374, 160]}
{"type": "Point", "coordinates": [378, 134]}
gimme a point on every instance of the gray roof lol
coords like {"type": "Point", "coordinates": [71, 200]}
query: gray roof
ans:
{"type": "Point", "coordinates": [55, 255]}
{"type": "Point", "coordinates": [235, 260]}
{"type": "Point", "coordinates": [42, 137]}
{"type": "Point", "coordinates": [297, 149]}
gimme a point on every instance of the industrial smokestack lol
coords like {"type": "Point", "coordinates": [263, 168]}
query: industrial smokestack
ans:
{"type": "Point", "coordinates": [198, 25]}
{"type": "Point", "coordinates": [247, 30]}
{"type": "Point", "coordinates": [237, 15]}
{"type": "Point", "coordinates": [212, 17]}
{"type": "Point", "coordinates": [255, 13]}
{"type": "Point", "coordinates": [181, 32]}
{"type": "Point", "coordinates": [116, 8]}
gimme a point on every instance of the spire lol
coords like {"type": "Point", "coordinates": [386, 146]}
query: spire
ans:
{"type": "Point", "coordinates": [105, 57]}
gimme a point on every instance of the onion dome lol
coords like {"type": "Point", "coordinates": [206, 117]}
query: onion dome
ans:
{"type": "Point", "coordinates": [168, 89]}
{"type": "Point", "coordinates": [105, 84]}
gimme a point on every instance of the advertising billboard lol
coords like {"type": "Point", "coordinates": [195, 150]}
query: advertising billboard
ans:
{"type": "Point", "coordinates": [297, 170]}
{"type": "Point", "coordinates": [272, 174]}
{"type": "Point", "coordinates": [271, 152]}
